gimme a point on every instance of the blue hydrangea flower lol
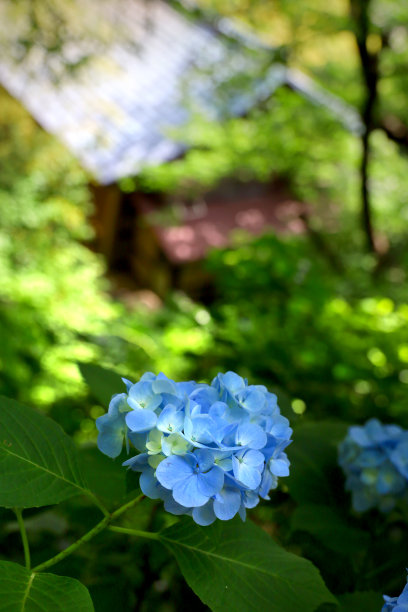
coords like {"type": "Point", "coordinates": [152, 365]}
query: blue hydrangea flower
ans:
{"type": "Point", "coordinates": [396, 604]}
{"type": "Point", "coordinates": [209, 451]}
{"type": "Point", "coordinates": [374, 458]}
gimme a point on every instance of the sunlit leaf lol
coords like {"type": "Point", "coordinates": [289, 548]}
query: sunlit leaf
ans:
{"type": "Point", "coordinates": [103, 383]}
{"type": "Point", "coordinates": [38, 462]}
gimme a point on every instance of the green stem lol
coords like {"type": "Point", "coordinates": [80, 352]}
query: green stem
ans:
{"type": "Point", "coordinates": [135, 532]}
{"type": "Point", "coordinates": [98, 503]}
{"type": "Point", "coordinates": [19, 515]}
{"type": "Point", "coordinates": [89, 535]}
{"type": "Point", "coordinates": [68, 551]}
{"type": "Point", "coordinates": [126, 507]}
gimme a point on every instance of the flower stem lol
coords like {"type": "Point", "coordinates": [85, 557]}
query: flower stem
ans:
{"type": "Point", "coordinates": [19, 515]}
{"type": "Point", "coordinates": [98, 503]}
{"type": "Point", "coordinates": [135, 532]}
{"type": "Point", "coordinates": [89, 535]}
{"type": "Point", "coordinates": [68, 551]}
{"type": "Point", "coordinates": [126, 507]}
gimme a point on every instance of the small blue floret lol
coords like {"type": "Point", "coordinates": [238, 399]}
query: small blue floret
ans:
{"type": "Point", "coordinates": [396, 604]}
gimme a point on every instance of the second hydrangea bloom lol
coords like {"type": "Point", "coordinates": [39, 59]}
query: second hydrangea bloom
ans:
{"type": "Point", "coordinates": [374, 458]}
{"type": "Point", "coordinates": [210, 451]}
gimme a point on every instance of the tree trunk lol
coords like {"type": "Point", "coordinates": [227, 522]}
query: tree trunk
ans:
{"type": "Point", "coordinates": [369, 68]}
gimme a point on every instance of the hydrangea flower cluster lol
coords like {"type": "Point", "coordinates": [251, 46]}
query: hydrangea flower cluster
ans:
{"type": "Point", "coordinates": [209, 451]}
{"type": "Point", "coordinates": [374, 458]}
{"type": "Point", "coordinates": [396, 604]}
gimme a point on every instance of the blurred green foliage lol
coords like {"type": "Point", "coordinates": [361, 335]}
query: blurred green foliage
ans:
{"type": "Point", "coordinates": [304, 144]}
{"type": "Point", "coordinates": [51, 286]}
{"type": "Point", "coordinates": [55, 309]}
{"type": "Point", "coordinates": [334, 339]}
{"type": "Point", "coordinates": [323, 324]}
{"type": "Point", "coordinates": [337, 342]}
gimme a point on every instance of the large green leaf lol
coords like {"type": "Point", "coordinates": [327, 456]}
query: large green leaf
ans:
{"type": "Point", "coordinates": [236, 566]}
{"type": "Point", "coordinates": [25, 591]}
{"type": "Point", "coordinates": [364, 601]}
{"type": "Point", "coordinates": [105, 478]}
{"type": "Point", "coordinates": [38, 461]}
{"type": "Point", "coordinates": [328, 527]}
{"type": "Point", "coordinates": [314, 470]}
{"type": "Point", "coordinates": [103, 383]}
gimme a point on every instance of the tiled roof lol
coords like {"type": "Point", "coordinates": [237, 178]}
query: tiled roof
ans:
{"type": "Point", "coordinates": [116, 113]}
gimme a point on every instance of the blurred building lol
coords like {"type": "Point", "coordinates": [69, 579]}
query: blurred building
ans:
{"type": "Point", "coordinates": [125, 77]}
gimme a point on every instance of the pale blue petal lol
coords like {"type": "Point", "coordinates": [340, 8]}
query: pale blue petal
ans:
{"type": "Point", "coordinates": [389, 480]}
{"type": "Point", "coordinates": [187, 493]}
{"type": "Point", "coordinates": [149, 484]}
{"type": "Point", "coordinates": [141, 420]}
{"type": "Point", "coordinates": [185, 388]}
{"type": "Point", "coordinates": [171, 419]}
{"type": "Point", "coordinates": [360, 436]}
{"type": "Point", "coordinates": [205, 397]}
{"type": "Point", "coordinates": [371, 457]}
{"type": "Point", "coordinates": [164, 385]}
{"type": "Point", "coordinates": [201, 426]}
{"type": "Point", "coordinates": [174, 469]}
{"type": "Point", "coordinates": [141, 396]}
{"type": "Point", "coordinates": [232, 382]}
{"type": "Point", "coordinates": [252, 400]}
{"type": "Point", "coordinates": [399, 457]}
{"type": "Point", "coordinates": [205, 459]}
{"type": "Point", "coordinates": [251, 499]}
{"type": "Point", "coordinates": [403, 598]}
{"type": "Point", "coordinates": [253, 458]}
{"type": "Point", "coordinates": [218, 410]}
{"type": "Point", "coordinates": [268, 482]}
{"type": "Point", "coordinates": [137, 463]}
{"type": "Point", "coordinates": [227, 503]}
{"type": "Point", "coordinates": [211, 482]}
{"type": "Point", "coordinates": [128, 384]}
{"type": "Point", "coordinates": [170, 505]}
{"type": "Point", "coordinates": [110, 439]}
{"type": "Point", "coordinates": [224, 461]}
{"type": "Point", "coordinates": [138, 440]}
{"type": "Point", "coordinates": [249, 475]}
{"type": "Point", "coordinates": [204, 515]}
{"type": "Point", "coordinates": [375, 431]}
{"type": "Point", "coordinates": [279, 467]}
{"type": "Point", "coordinates": [250, 435]}
{"type": "Point", "coordinates": [112, 428]}
{"type": "Point", "coordinates": [148, 376]}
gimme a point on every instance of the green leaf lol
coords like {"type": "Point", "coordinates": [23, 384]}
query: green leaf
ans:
{"type": "Point", "coordinates": [328, 527]}
{"type": "Point", "coordinates": [314, 470]}
{"type": "Point", "coordinates": [38, 461]}
{"type": "Point", "coordinates": [236, 566]}
{"type": "Point", "coordinates": [360, 601]}
{"type": "Point", "coordinates": [25, 591]}
{"type": "Point", "coordinates": [103, 383]}
{"type": "Point", "coordinates": [105, 478]}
